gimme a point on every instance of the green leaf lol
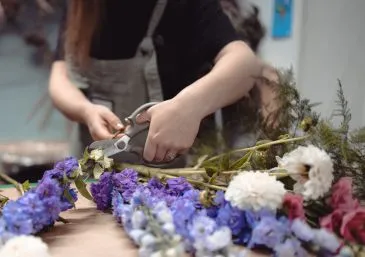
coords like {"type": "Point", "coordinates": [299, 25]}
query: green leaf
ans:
{"type": "Point", "coordinates": [224, 162]}
{"type": "Point", "coordinates": [3, 200]}
{"type": "Point", "coordinates": [240, 163]}
{"type": "Point", "coordinates": [26, 186]}
{"type": "Point", "coordinates": [97, 171]}
{"type": "Point", "coordinates": [81, 186]}
{"type": "Point", "coordinates": [69, 197]}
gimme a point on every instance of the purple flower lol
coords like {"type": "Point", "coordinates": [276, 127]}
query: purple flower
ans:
{"type": "Point", "coordinates": [219, 198]}
{"type": "Point", "coordinates": [126, 182]}
{"type": "Point", "coordinates": [102, 191]}
{"type": "Point", "coordinates": [155, 183]}
{"type": "Point", "coordinates": [17, 220]}
{"type": "Point", "coordinates": [183, 212]}
{"type": "Point", "coordinates": [48, 188]}
{"type": "Point", "coordinates": [194, 196]}
{"type": "Point", "coordinates": [178, 186]}
{"type": "Point", "coordinates": [67, 166]}
{"type": "Point", "coordinates": [269, 232]}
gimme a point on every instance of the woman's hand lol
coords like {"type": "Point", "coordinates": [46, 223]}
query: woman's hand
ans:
{"type": "Point", "coordinates": [101, 122]}
{"type": "Point", "coordinates": [174, 126]}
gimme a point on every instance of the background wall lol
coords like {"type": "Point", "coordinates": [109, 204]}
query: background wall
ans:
{"type": "Point", "coordinates": [22, 84]}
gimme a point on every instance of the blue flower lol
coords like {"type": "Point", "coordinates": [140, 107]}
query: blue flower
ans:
{"type": "Point", "coordinates": [117, 203]}
{"type": "Point", "coordinates": [291, 247]}
{"type": "Point", "coordinates": [302, 230]}
{"type": "Point", "coordinates": [201, 227]}
{"type": "Point", "coordinates": [231, 217]}
{"type": "Point", "coordinates": [326, 240]}
{"type": "Point", "coordinates": [269, 232]}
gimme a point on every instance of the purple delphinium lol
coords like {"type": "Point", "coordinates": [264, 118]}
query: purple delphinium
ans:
{"type": "Point", "coordinates": [126, 182]}
{"type": "Point", "coordinates": [102, 191]}
{"type": "Point", "coordinates": [67, 166]}
{"type": "Point", "coordinates": [178, 186]}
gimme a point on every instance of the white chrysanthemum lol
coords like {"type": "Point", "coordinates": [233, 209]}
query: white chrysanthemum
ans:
{"type": "Point", "coordinates": [255, 190]}
{"type": "Point", "coordinates": [25, 246]}
{"type": "Point", "coordinates": [311, 167]}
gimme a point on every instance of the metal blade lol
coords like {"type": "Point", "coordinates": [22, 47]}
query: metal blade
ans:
{"type": "Point", "coordinates": [102, 144]}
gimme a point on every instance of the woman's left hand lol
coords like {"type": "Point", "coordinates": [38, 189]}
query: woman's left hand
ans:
{"type": "Point", "coordinates": [173, 129]}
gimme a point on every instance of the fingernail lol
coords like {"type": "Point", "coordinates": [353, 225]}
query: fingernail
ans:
{"type": "Point", "coordinates": [120, 126]}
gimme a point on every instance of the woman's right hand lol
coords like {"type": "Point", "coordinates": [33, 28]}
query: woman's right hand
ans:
{"type": "Point", "coordinates": [101, 121]}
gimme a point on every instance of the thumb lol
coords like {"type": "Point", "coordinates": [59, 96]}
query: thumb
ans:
{"type": "Point", "coordinates": [112, 120]}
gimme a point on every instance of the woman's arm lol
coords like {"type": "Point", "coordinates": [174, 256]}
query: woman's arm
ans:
{"type": "Point", "coordinates": [67, 98]}
{"type": "Point", "coordinates": [231, 78]}
{"type": "Point", "coordinates": [74, 105]}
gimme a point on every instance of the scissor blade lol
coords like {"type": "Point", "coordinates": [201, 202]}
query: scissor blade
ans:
{"type": "Point", "coordinates": [102, 144]}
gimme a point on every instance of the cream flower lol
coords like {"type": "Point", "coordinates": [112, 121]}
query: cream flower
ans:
{"type": "Point", "coordinates": [25, 246]}
{"type": "Point", "coordinates": [255, 190]}
{"type": "Point", "coordinates": [312, 168]}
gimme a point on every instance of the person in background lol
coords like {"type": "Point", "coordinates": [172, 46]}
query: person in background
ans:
{"type": "Point", "coordinates": [114, 56]}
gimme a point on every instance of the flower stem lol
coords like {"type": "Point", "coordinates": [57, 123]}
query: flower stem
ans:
{"type": "Point", "coordinates": [257, 147]}
{"type": "Point", "coordinates": [9, 180]}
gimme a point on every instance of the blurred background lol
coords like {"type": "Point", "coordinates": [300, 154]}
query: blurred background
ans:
{"type": "Point", "coordinates": [321, 40]}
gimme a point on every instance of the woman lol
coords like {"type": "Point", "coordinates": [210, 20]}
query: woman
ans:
{"type": "Point", "coordinates": [126, 53]}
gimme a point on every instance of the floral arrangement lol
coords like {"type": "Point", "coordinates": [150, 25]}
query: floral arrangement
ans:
{"type": "Point", "coordinates": [297, 195]}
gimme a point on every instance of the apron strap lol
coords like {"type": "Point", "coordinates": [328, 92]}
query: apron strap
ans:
{"type": "Point", "coordinates": [156, 17]}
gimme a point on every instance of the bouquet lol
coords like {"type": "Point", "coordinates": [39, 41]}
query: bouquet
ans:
{"type": "Point", "coordinates": [297, 192]}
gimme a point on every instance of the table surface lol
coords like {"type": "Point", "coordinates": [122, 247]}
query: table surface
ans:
{"type": "Point", "coordinates": [89, 233]}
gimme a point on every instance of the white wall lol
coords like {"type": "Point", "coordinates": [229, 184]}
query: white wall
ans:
{"type": "Point", "coordinates": [333, 40]}
{"type": "Point", "coordinates": [282, 53]}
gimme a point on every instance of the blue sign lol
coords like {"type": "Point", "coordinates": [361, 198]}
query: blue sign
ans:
{"type": "Point", "coordinates": [282, 23]}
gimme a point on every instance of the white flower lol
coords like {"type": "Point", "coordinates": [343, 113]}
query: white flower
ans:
{"type": "Point", "coordinates": [312, 168]}
{"type": "Point", "coordinates": [255, 190]}
{"type": "Point", "coordinates": [25, 246]}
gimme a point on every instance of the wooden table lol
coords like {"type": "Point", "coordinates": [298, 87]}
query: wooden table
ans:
{"type": "Point", "coordinates": [90, 233]}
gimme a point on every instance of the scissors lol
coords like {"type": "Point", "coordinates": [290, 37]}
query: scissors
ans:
{"type": "Point", "coordinates": [127, 148]}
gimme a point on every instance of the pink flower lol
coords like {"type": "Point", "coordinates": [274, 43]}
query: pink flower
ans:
{"type": "Point", "coordinates": [333, 221]}
{"type": "Point", "coordinates": [353, 226]}
{"type": "Point", "coordinates": [342, 197]}
{"type": "Point", "coordinates": [293, 204]}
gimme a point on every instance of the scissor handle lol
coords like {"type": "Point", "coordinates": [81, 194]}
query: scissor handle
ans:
{"type": "Point", "coordinates": [131, 120]}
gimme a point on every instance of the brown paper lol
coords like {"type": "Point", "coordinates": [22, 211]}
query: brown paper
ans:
{"type": "Point", "coordinates": [90, 233]}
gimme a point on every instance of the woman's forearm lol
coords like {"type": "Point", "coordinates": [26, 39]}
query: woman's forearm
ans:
{"type": "Point", "coordinates": [231, 78]}
{"type": "Point", "coordinates": [67, 98]}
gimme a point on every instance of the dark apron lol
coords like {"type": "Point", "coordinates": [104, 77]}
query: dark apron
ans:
{"type": "Point", "coordinates": [123, 85]}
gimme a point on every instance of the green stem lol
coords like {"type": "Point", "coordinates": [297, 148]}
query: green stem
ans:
{"type": "Point", "coordinates": [9, 180]}
{"type": "Point", "coordinates": [257, 147]}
